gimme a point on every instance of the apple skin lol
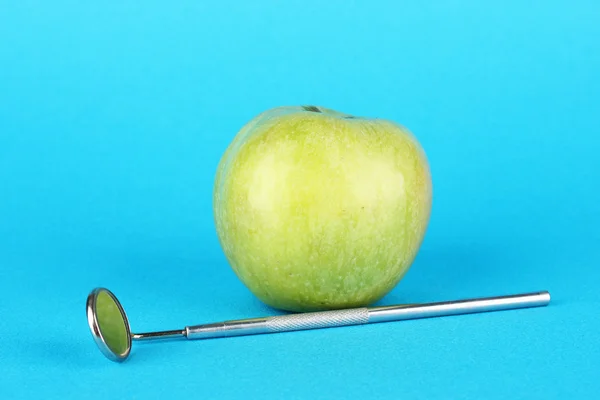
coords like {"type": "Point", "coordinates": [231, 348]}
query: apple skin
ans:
{"type": "Point", "coordinates": [319, 210]}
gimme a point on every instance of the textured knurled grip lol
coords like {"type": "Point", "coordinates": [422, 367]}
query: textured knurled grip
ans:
{"type": "Point", "coordinates": [295, 322]}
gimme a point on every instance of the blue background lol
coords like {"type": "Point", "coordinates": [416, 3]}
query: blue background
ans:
{"type": "Point", "coordinates": [114, 115]}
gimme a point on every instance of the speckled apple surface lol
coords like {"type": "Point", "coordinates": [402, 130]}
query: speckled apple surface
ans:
{"type": "Point", "coordinates": [114, 117]}
{"type": "Point", "coordinates": [316, 209]}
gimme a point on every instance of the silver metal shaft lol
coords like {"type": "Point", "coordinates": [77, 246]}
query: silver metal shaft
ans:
{"type": "Point", "coordinates": [159, 335]}
{"type": "Point", "coordinates": [355, 316]}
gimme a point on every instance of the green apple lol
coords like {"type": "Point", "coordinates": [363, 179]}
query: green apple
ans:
{"type": "Point", "coordinates": [316, 209]}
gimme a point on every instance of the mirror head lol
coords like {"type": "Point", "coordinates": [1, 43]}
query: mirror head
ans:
{"type": "Point", "coordinates": [108, 324]}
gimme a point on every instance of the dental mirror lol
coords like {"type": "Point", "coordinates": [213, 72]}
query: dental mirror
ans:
{"type": "Point", "coordinates": [109, 324]}
{"type": "Point", "coordinates": [110, 327]}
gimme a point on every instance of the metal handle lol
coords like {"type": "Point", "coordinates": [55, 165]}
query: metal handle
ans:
{"type": "Point", "coordinates": [458, 307]}
{"type": "Point", "coordinates": [325, 319]}
{"type": "Point", "coordinates": [282, 323]}
{"type": "Point", "coordinates": [358, 316]}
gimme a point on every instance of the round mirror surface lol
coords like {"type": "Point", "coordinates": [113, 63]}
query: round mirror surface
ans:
{"type": "Point", "coordinates": [109, 325]}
